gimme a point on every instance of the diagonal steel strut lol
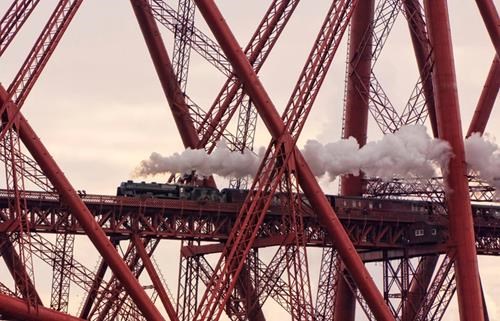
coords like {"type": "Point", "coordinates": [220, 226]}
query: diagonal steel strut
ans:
{"type": "Point", "coordinates": [307, 181]}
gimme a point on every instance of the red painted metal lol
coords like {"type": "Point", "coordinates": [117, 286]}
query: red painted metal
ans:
{"type": "Point", "coordinates": [421, 47]}
{"type": "Point", "coordinates": [18, 271]}
{"type": "Point", "coordinates": [82, 214]}
{"type": "Point", "coordinates": [38, 57]}
{"type": "Point", "coordinates": [13, 20]}
{"type": "Point", "coordinates": [19, 310]}
{"type": "Point", "coordinates": [356, 123]}
{"type": "Point", "coordinates": [329, 276]}
{"type": "Point", "coordinates": [418, 286]}
{"type": "Point", "coordinates": [449, 128]}
{"type": "Point", "coordinates": [153, 274]}
{"type": "Point", "coordinates": [307, 181]}
{"type": "Point", "coordinates": [164, 69]}
{"type": "Point", "coordinates": [63, 250]}
{"type": "Point", "coordinates": [486, 100]}
{"type": "Point", "coordinates": [92, 292]}
{"type": "Point", "coordinates": [231, 95]}
{"type": "Point", "coordinates": [181, 219]}
{"type": "Point", "coordinates": [491, 20]}
{"type": "Point", "coordinates": [182, 39]}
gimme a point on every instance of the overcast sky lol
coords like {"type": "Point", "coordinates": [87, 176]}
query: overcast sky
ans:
{"type": "Point", "coordinates": [99, 108]}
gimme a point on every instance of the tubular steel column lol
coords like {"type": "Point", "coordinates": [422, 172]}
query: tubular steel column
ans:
{"type": "Point", "coordinates": [83, 215]}
{"type": "Point", "coordinates": [165, 71]}
{"type": "Point", "coordinates": [490, 17]}
{"type": "Point", "coordinates": [19, 310]}
{"type": "Point", "coordinates": [486, 100]}
{"type": "Point", "coordinates": [153, 275]}
{"type": "Point", "coordinates": [461, 226]}
{"type": "Point", "coordinates": [308, 182]}
{"type": "Point", "coordinates": [356, 124]}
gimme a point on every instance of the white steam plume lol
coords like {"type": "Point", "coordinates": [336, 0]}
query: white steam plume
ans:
{"type": "Point", "coordinates": [483, 155]}
{"type": "Point", "coordinates": [222, 162]}
{"type": "Point", "coordinates": [410, 152]}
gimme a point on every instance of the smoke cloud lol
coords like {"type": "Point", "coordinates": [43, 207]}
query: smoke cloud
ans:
{"type": "Point", "coordinates": [483, 155]}
{"type": "Point", "coordinates": [410, 152]}
{"type": "Point", "coordinates": [222, 162]}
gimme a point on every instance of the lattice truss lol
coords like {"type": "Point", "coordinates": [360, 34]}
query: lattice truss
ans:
{"type": "Point", "coordinates": [254, 259]}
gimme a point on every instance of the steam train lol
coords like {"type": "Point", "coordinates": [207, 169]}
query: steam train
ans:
{"type": "Point", "coordinates": [421, 232]}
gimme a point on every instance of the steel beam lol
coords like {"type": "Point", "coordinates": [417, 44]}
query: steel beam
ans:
{"type": "Point", "coordinates": [18, 271]}
{"type": "Point", "coordinates": [311, 188]}
{"type": "Point", "coordinates": [13, 20]}
{"type": "Point", "coordinates": [457, 196]}
{"type": "Point", "coordinates": [491, 20]}
{"type": "Point", "coordinates": [422, 51]}
{"type": "Point", "coordinates": [19, 310]}
{"type": "Point", "coordinates": [486, 100]}
{"type": "Point", "coordinates": [83, 215]}
{"type": "Point", "coordinates": [355, 124]}
{"type": "Point", "coordinates": [165, 71]}
{"type": "Point", "coordinates": [153, 274]}
{"type": "Point", "coordinates": [418, 286]}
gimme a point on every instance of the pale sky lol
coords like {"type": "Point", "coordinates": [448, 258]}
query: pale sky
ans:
{"type": "Point", "coordinates": [99, 109]}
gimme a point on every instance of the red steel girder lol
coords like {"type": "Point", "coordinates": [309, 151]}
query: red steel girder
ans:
{"type": "Point", "coordinates": [231, 95]}
{"type": "Point", "coordinates": [92, 292]}
{"type": "Point", "coordinates": [37, 59]}
{"type": "Point", "coordinates": [17, 14]}
{"type": "Point", "coordinates": [307, 181]}
{"type": "Point", "coordinates": [59, 297]}
{"type": "Point", "coordinates": [165, 71]}
{"type": "Point", "coordinates": [486, 100]}
{"type": "Point", "coordinates": [153, 274]}
{"type": "Point", "coordinates": [329, 276]}
{"type": "Point", "coordinates": [355, 123]}
{"type": "Point", "coordinates": [491, 20]}
{"type": "Point", "coordinates": [418, 286]}
{"type": "Point", "coordinates": [18, 309]}
{"type": "Point", "coordinates": [440, 292]}
{"type": "Point", "coordinates": [82, 214]}
{"type": "Point", "coordinates": [199, 42]}
{"type": "Point", "coordinates": [449, 127]}
{"type": "Point", "coordinates": [110, 301]}
{"type": "Point", "coordinates": [18, 271]}
{"type": "Point", "coordinates": [187, 286]}
{"type": "Point", "coordinates": [182, 41]}
{"type": "Point", "coordinates": [421, 47]}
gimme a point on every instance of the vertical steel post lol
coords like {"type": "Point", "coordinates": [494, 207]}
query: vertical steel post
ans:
{"type": "Point", "coordinates": [356, 124]}
{"type": "Point", "coordinates": [461, 226]}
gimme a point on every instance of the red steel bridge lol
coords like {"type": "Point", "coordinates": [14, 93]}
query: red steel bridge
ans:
{"type": "Point", "coordinates": [426, 237]}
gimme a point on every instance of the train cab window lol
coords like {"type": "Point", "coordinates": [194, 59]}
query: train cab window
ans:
{"type": "Point", "coordinates": [419, 232]}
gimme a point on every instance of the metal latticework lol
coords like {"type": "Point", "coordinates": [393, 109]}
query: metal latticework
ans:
{"type": "Point", "coordinates": [248, 253]}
